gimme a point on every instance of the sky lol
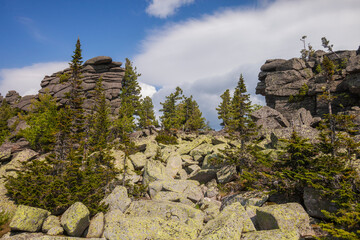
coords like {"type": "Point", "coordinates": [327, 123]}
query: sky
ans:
{"type": "Point", "coordinates": [200, 45]}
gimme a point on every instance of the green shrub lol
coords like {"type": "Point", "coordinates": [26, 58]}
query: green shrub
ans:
{"type": "Point", "coordinates": [166, 138]}
{"type": "Point", "coordinates": [303, 91]}
{"type": "Point", "coordinates": [6, 112]}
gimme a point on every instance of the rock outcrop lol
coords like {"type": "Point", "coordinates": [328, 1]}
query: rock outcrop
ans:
{"type": "Point", "coordinates": [280, 79]}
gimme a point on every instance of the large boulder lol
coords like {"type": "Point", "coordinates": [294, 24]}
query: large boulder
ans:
{"type": "Point", "coordinates": [138, 160]}
{"type": "Point", "coordinates": [96, 227]}
{"type": "Point", "coordinates": [153, 171]}
{"type": "Point", "coordinates": [226, 174]}
{"type": "Point", "coordinates": [75, 219]}
{"type": "Point", "coordinates": [287, 217]}
{"type": "Point", "coordinates": [188, 189]}
{"type": "Point", "coordinates": [229, 224]}
{"type": "Point", "coordinates": [251, 198]}
{"type": "Point", "coordinates": [50, 222]}
{"type": "Point", "coordinates": [302, 117]}
{"type": "Point", "coordinates": [173, 165]}
{"type": "Point", "coordinates": [315, 202]}
{"type": "Point", "coordinates": [144, 227]}
{"type": "Point", "coordinates": [167, 211]}
{"type": "Point", "coordinates": [118, 199]}
{"type": "Point", "coordinates": [269, 118]}
{"type": "Point", "coordinates": [28, 219]}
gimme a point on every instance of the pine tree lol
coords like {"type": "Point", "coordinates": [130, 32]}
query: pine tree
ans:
{"type": "Point", "coordinates": [170, 118]}
{"type": "Point", "coordinates": [130, 100]}
{"type": "Point", "coordinates": [146, 113]}
{"type": "Point", "coordinates": [224, 109]}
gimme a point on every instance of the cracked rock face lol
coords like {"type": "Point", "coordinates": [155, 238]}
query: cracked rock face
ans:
{"type": "Point", "coordinates": [279, 79]}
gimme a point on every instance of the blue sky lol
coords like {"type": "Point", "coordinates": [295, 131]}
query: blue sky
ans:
{"type": "Point", "coordinates": [200, 45]}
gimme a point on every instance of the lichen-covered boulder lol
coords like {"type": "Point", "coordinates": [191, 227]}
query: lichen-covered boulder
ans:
{"type": "Point", "coordinates": [134, 228]}
{"type": "Point", "coordinates": [113, 216]}
{"type": "Point", "coordinates": [182, 188]}
{"type": "Point", "coordinates": [50, 222]}
{"type": "Point", "coordinates": [153, 171]}
{"type": "Point", "coordinates": [119, 157]}
{"type": "Point", "coordinates": [275, 234]}
{"type": "Point", "coordinates": [314, 202]}
{"type": "Point", "coordinates": [118, 199]}
{"type": "Point", "coordinates": [287, 217]}
{"type": "Point", "coordinates": [173, 165]}
{"type": "Point", "coordinates": [250, 198]}
{"type": "Point", "coordinates": [96, 227]}
{"type": "Point", "coordinates": [151, 149]}
{"type": "Point", "coordinates": [5, 154]}
{"type": "Point", "coordinates": [28, 219]}
{"type": "Point", "coordinates": [203, 149]}
{"type": "Point", "coordinates": [229, 224]}
{"type": "Point", "coordinates": [138, 160]}
{"type": "Point", "coordinates": [58, 230]}
{"type": "Point", "coordinates": [211, 208]}
{"type": "Point", "coordinates": [226, 174]}
{"type": "Point", "coordinates": [167, 211]}
{"type": "Point", "coordinates": [75, 219]}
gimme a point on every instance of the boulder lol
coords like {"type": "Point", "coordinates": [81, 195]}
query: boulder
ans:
{"type": "Point", "coordinates": [203, 149]}
{"type": "Point", "coordinates": [315, 202]}
{"type": "Point", "coordinates": [229, 224]}
{"type": "Point", "coordinates": [114, 216]}
{"type": "Point", "coordinates": [58, 230]}
{"type": "Point", "coordinates": [153, 171]}
{"type": "Point", "coordinates": [119, 157]}
{"type": "Point", "coordinates": [28, 219]}
{"type": "Point", "coordinates": [302, 117]}
{"type": "Point", "coordinates": [211, 208]}
{"type": "Point", "coordinates": [177, 188]}
{"type": "Point", "coordinates": [251, 198]}
{"type": "Point", "coordinates": [272, 65]}
{"type": "Point", "coordinates": [276, 234]}
{"type": "Point", "coordinates": [75, 219]}
{"type": "Point", "coordinates": [269, 118]}
{"type": "Point", "coordinates": [149, 228]}
{"type": "Point", "coordinates": [292, 64]}
{"type": "Point", "coordinates": [50, 222]}
{"type": "Point", "coordinates": [188, 160]}
{"type": "Point", "coordinates": [167, 211]}
{"type": "Point", "coordinates": [98, 60]}
{"type": "Point", "coordinates": [226, 174]}
{"type": "Point", "coordinates": [286, 217]}
{"type": "Point", "coordinates": [151, 149]}
{"type": "Point", "coordinates": [203, 175]}
{"type": "Point", "coordinates": [96, 227]}
{"type": "Point", "coordinates": [138, 160]}
{"type": "Point", "coordinates": [5, 154]}
{"type": "Point", "coordinates": [118, 199]}
{"type": "Point", "coordinates": [173, 165]}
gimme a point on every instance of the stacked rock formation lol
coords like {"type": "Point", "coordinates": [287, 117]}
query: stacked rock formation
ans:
{"type": "Point", "coordinates": [279, 79]}
{"type": "Point", "coordinates": [111, 72]}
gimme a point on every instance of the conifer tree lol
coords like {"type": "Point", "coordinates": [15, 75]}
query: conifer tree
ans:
{"type": "Point", "coordinates": [190, 115]}
{"type": "Point", "coordinates": [6, 112]}
{"type": "Point", "coordinates": [224, 109]}
{"type": "Point", "coordinates": [170, 118]}
{"type": "Point", "coordinates": [146, 113]}
{"type": "Point", "coordinates": [241, 107]}
{"type": "Point", "coordinates": [129, 99]}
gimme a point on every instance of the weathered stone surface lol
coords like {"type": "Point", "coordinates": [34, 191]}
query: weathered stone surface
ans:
{"type": "Point", "coordinates": [5, 154]}
{"type": "Point", "coordinates": [275, 234]}
{"type": "Point", "coordinates": [25, 102]}
{"type": "Point", "coordinates": [12, 97]}
{"type": "Point", "coordinates": [118, 199]}
{"type": "Point", "coordinates": [114, 216]}
{"type": "Point", "coordinates": [167, 211]}
{"type": "Point", "coordinates": [98, 60]}
{"type": "Point", "coordinates": [302, 117]}
{"type": "Point", "coordinates": [153, 171]}
{"type": "Point", "coordinates": [211, 208]}
{"type": "Point", "coordinates": [138, 160]}
{"type": "Point", "coordinates": [149, 228]}
{"type": "Point", "coordinates": [50, 222]}
{"type": "Point", "coordinates": [182, 188]}
{"type": "Point", "coordinates": [119, 161]}
{"type": "Point", "coordinates": [287, 217]}
{"type": "Point", "coordinates": [173, 165]}
{"type": "Point", "coordinates": [272, 64]}
{"type": "Point", "coordinates": [226, 174]}
{"type": "Point", "coordinates": [96, 227]}
{"type": "Point", "coordinates": [54, 231]}
{"type": "Point", "coordinates": [151, 149]}
{"type": "Point", "coordinates": [269, 118]}
{"type": "Point", "coordinates": [203, 175]}
{"type": "Point", "coordinates": [229, 224]}
{"type": "Point", "coordinates": [314, 202]}
{"type": "Point", "coordinates": [251, 198]}
{"type": "Point", "coordinates": [28, 219]}
{"type": "Point", "coordinates": [75, 219]}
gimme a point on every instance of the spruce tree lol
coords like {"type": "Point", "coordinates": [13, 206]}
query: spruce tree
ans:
{"type": "Point", "coordinates": [241, 108]}
{"type": "Point", "coordinates": [224, 109]}
{"type": "Point", "coordinates": [190, 115]}
{"type": "Point", "coordinates": [170, 118]}
{"type": "Point", "coordinates": [146, 113]}
{"type": "Point", "coordinates": [129, 100]}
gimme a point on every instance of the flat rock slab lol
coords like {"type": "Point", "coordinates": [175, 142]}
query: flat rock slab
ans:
{"type": "Point", "coordinates": [275, 234]}
{"type": "Point", "coordinates": [28, 219]}
{"type": "Point", "coordinates": [118, 199]}
{"type": "Point", "coordinates": [135, 228]}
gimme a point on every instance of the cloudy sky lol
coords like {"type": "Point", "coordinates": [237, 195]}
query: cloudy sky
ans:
{"type": "Point", "coordinates": [200, 45]}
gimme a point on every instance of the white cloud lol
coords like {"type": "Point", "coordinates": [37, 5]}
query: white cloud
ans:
{"type": "Point", "coordinates": [165, 8]}
{"type": "Point", "coordinates": [205, 56]}
{"type": "Point", "coordinates": [147, 90]}
{"type": "Point", "coordinates": [26, 80]}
